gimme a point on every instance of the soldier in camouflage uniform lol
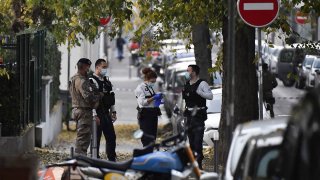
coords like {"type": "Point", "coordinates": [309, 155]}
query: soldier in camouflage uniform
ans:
{"type": "Point", "coordinates": [85, 98]}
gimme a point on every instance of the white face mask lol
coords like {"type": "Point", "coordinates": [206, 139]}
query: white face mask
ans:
{"type": "Point", "coordinates": [104, 71]}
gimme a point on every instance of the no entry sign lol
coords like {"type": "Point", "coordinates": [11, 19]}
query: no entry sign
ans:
{"type": "Point", "coordinates": [258, 13]}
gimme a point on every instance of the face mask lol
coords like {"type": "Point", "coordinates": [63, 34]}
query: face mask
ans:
{"type": "Point", "coordinates": [151, 84]}
{"type": "Point", "coordinates": [104, 71]}
{"type": "Point", "coordinates": [187, 75]}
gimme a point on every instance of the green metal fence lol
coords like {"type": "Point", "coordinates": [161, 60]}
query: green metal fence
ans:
{"type": "Point", "coordinates": [30, 54]}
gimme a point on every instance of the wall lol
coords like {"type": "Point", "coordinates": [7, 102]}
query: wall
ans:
{"type": "Point", "coordinates": [47, 131]}
{"type": "Point", "coordinates": [86, 50]}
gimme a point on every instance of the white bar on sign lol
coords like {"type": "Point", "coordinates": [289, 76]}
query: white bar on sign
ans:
{"type": "Point", "coordinates": [257, 6]}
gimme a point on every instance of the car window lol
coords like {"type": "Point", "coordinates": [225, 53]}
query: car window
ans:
{"type": "Point", "coordinates": [316, 64]}
{"type": "Point", "coordinates": [263, 162]}
{"type": "Point", "coordinates": [286, 56]}
{"type": "Point", "coordinates": [180, 79]}
{"type": "Point", "coordinates": [276, 52]}
{"type": "Point", "coordinates": [217, 79]}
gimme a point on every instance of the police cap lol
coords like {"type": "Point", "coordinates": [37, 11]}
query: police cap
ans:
{"type": "Point", "coordinates": [85, 61]}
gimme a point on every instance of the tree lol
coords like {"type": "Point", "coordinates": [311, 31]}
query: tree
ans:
{"type": "Point", "coordinates": [68, 20]}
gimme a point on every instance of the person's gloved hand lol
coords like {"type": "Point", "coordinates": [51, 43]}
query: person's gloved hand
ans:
{"type": "Point", "coordinates": [158, 96]}
{"type": "Point", "coordinates": [157, 102]}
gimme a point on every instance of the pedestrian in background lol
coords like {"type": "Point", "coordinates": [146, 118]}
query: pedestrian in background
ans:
{"type": "Point", "coordinates": [196, 92]}
{"type": "Point", "coordinates": [85, 98]}
{"type": "Point", "coordinates": [119, 43]}
{"type": "Point", "coordinates": [148, 106]}
{"type": "Point", "coordinates": [106, 110]}
{"type": "Point", "coordinates": [269, 83]}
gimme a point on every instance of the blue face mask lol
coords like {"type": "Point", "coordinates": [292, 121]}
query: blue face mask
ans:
{"type": "Point", "coordinates": [187, 75]}
{"type": "Point", "coordinates": [104, 72]}
{"type": "Point", "coordinates": [151, 84]}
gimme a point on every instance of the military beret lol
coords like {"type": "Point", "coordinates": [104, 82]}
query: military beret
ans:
{"type": "Point", "coordinates": [85, 61]}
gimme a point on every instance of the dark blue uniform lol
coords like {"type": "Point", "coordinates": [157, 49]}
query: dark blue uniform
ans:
{"type": "Point", "coordinates": [103, 111]}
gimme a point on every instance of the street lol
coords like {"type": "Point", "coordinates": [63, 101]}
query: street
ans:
{"type": "Point", "coordinates": [286, 98]}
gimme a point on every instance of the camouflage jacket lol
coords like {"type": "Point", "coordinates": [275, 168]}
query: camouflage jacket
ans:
{"type": "Point", "coordinates": [83, 94]}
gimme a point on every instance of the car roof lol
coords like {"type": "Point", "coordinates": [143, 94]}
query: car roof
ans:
{"type": "Point", "coordinates": [182, 66]}
{"type": "Point", "coordinates": [247, 130]}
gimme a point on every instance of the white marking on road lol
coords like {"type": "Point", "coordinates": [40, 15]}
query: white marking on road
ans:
{"type": "Point", "coordinates": [257, 6]}
{"type": "Point", "coordinates": [283, 115]}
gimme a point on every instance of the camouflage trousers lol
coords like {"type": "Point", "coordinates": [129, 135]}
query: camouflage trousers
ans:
{"type": "Point", "coordinates": [84, 119]}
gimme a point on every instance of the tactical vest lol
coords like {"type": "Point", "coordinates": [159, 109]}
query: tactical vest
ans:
{"type": "Point", "coordinates": [191, 97]}
{"type": "Point", "coordinates": [108, 99]}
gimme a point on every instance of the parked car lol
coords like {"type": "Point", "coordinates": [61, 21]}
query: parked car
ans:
{"type": "Point", "coordinates": [242, 135]}
{"type": "Point", "coordinates": [211, 133]}
{"type": "Point", "coordinates": [303, 71]}
{"type": "Point", "coordinates": [273, 59]}
{"type": "Point", "coordinates": [259, 157]}
{"type": "Point", "coordinates": [289, 59]}
{"type": "Point", "coordinates": [310, 81]}
{"type": "Point", "coordinates": [173, 85]}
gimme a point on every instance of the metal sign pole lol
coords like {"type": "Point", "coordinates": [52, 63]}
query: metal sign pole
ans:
{"type": "Point", "coordinates": [94, 138]}
{"type": "Point", "coordinates": [260, 75]}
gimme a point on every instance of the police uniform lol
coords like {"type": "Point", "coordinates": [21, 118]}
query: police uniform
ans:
{"type": "Point", "coordinates": [147, 113]}
{"type": "Point", "coordinates": [195, 95]}
{"type": "Point", "coordinates": [106, 106]}
{"type": "Point", "coordinates": [84, 99]}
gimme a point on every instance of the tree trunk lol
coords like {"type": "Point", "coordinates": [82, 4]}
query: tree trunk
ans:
{"type": "Point", "coordinates": [202, 49]}
{"type": "Point", "coordinates": [246, 84]}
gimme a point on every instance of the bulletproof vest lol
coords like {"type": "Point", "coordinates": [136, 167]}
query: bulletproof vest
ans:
{"type": "Point", "coordinates": [105, 86]}
{"type": "Point", "coordinates": [191, 97]}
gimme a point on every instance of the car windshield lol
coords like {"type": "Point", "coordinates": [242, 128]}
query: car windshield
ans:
{"type": "Point", "coordinates": [308, 61]}
{"type": "Point", "coordinates": [286, 56]}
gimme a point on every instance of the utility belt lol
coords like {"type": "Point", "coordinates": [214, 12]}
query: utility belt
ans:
{"type": "Point", "coordinates": [198, 108]}
{"type": "Point", "coordinates": [201, 112]}
{"type": "Point", "coordinates": [142, 112]}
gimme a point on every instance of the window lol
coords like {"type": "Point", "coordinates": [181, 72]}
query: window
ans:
{"type": "Point", "coordinates": [286, 56]}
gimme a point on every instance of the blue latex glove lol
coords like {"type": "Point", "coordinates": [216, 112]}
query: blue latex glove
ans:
{"type": "Point", "coordinates": [158, 96]}
{"type": "Point", "coordinates": [157, 102]}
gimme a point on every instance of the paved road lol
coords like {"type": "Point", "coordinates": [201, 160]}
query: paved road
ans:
{"type": "Point", "coordinates": [286, 98]}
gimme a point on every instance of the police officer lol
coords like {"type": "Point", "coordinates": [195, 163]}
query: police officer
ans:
{"type": "Point", "coordinates": [148, 106]}
{"type": "Point", "coordinates": [195, 93]}
{"type": "Point", "coordinates": [85, 98]}
{"type": "Point", "coordinates": [106, 110]}
{"type": "Point", "coordinates": [269, 83]}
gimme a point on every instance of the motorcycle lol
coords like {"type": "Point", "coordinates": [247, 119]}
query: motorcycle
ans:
{"type": "Point", "coordinates": [177, 162]}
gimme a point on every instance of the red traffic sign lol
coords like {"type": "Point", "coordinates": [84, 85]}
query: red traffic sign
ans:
{"type": "Point", "coordinates": [258, 13]}
{"type": "Point", "coordinates": [301, 18]}
{"type": "Point", "coordinates": [104, 21]}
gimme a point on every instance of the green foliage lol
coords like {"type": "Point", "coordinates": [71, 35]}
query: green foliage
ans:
{"type": "Point", "coordinates": [51, 66]}
{"type": "Point", "coordinates": [9, 105]}
{"type": "Point", "coordinates": [68, 20]}
{"type": "Point", "coordinates": [168, 18]}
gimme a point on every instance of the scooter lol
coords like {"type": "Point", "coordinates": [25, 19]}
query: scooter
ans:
{"type": "Point", "coordinates": [178, 162]}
